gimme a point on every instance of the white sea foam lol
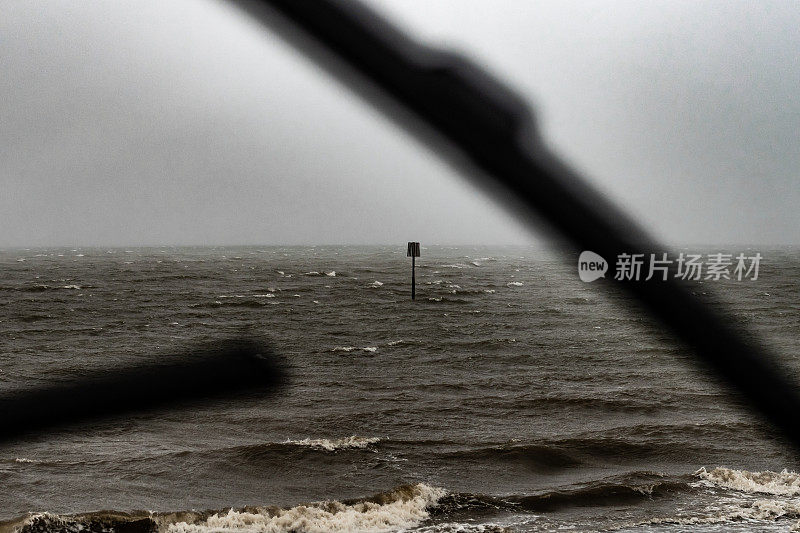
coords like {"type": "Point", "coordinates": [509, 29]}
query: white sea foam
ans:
{"type": "Point", "coordinates": [489, 291]}
{"type": "Point", "coordinates": [312, 273]}
{"type": "Point", "coordinates": [377, 284]}
{"type": "Point", "coordinates": [439, 299]}
{"type": "Point", "coordinates": [514, 284]}
{"type": "Point", "coordinates": [332, 273]}
{"type": "Point", "coordinates": [331, 445]}
{"type": "Point", "coordinates": [71, 287]}
{"type": "Point", "coordinates": [783, 483]}
{"type": "Point", "coordinates": [370, 349]}
{"type": "Point", "coordinates": [767, 510]}
{"type": "Point", "coordinates": [268, 295]}
{"type": "Point", "coordinates": [403, 508]}
{"type": "Point", "coordinates": [393, 343]}
{"type": "Point", "coordinates": [25, 460]}
{"type": "Point", "coordinates": [458, 527]}
{"type": "Point", "coordinates": [343, 349]}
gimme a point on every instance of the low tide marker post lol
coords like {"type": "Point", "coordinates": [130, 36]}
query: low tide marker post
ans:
{"type": "Point", "coordinates": [413, 253]}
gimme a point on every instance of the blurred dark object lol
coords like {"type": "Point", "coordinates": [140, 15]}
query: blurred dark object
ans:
{"type": "Point", "coordinates": [486, 130]}
{"type": "Point", "coordinates": [209, 372]}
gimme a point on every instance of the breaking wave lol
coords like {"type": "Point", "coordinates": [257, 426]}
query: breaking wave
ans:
{"type": "Point", "coordinates": [427, 508]}
{"type": "Point", "coordinates": [403, 507]}
{"type": "Point", "coordinates": [783, 483]}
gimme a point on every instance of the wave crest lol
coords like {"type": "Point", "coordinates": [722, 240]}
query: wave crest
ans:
{"type": "Point", "coordinates": [403, 507]}
{"type": "Point", "coordinates": [783, 483]}
{"type": "Point", "coordinates": [330, 445]}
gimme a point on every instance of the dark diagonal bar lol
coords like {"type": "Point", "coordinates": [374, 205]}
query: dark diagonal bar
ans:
{"type": "Point", "coordinates": [483, 126]}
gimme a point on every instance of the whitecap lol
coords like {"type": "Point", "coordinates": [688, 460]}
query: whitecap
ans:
{"type": "Point", "coordinates": [371, 349]}
{"type": "Point", "coordinates": [403, 508]}
{"type": "Point", "coordinates": [345, 443]}
{"type": "Point", "coordinates": [782, 483]}
{"type": "Point", "coordinates": [514, 284]}
{"type": "Point", "coordinates": [332, 273]}
{"type": "Point", "coordinates": [377, 284]}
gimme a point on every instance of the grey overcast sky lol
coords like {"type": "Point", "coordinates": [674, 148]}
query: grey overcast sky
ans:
{"type": "Point", "coordinates": [184, 122]}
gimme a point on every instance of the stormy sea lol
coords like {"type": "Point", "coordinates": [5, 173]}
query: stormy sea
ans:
{"type": "Point", "coordinates": [510, 396]}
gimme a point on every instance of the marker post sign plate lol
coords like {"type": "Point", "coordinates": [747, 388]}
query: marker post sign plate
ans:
{"type": "Point", "coordinates": [413, 253]}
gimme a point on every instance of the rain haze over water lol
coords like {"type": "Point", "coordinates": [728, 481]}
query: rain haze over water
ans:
{"type": "Point", "coordinates": [187, 123]}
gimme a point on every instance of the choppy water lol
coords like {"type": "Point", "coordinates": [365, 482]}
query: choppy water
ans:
{"type": "Point", "coordinates": [510, 395]}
